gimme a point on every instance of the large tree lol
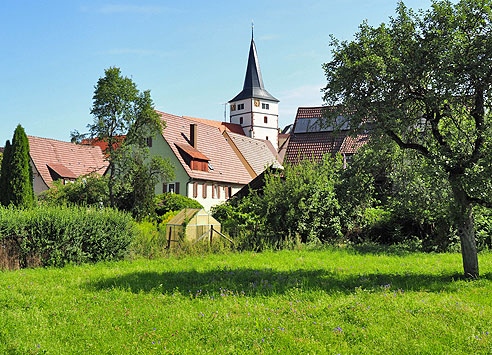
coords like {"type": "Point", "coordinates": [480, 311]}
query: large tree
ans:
{"type": "Point", "coordinates": [123, 118]}
{"type": "Point", "coordinates": [17, 184]}
{"type": "Point", "coordinates": [424, 80]}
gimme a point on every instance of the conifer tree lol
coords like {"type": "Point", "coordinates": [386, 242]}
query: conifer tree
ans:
{"type": "Point", "coordinates": [19, 190]}
{"type": "Point", "coordinates": [4, 173]}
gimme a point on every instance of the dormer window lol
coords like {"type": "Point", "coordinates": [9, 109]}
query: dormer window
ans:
{"type": "Point", "coordinates": [193, 157]}
{"type": "Point", "coordinates": [210, 167]}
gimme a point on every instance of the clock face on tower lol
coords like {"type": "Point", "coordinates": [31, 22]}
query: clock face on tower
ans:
{"type": "Point", "coordinates": [257, 103]}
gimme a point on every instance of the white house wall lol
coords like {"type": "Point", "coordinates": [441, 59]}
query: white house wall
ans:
{"type": "Point", "coordinates": [209, 202]}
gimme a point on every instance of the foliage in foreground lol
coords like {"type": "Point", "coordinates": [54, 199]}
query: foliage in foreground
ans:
{"type": "Point", "coordinates": [90, 190]}
{"type": "Point", "coordinates": [56, 235]}
{"type": "Point", "coordinates": [299, 205]}
{"type": "Point", "coordinates": [174, 202]}
{"type": "Point", "coordinates": [318, 302]}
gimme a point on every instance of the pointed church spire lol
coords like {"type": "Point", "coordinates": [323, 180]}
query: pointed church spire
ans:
{"type": "Point", "coordinates": [253, 82]}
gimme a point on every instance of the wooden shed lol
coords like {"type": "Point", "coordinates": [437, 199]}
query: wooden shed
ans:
{"type": "Point", "coordinates": [191, 225]}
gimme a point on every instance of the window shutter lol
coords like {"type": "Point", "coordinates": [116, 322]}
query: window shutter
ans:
{"type": "Point", "coordinates": [213, 190]}
{"type": "Point", "coordinates": [226, 192]}
{"type": "Point", "coordinates": [204, 190]}
{"type": "Point", "coordinates": [176, 188]}
{"type": "Point", "coordinates": [164, 188]}
{"type": "Point", "coordinates": [195, 189]}
{"type": "Point", "coordinates": [218, 191]}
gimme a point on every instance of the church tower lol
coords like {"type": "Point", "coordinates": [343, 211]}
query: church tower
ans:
{"type": "Point", "coordinates": [254, 108]}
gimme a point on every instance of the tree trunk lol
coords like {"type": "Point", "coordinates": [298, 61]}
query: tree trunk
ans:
{"type": "Point", "coordinates": [466, 230]}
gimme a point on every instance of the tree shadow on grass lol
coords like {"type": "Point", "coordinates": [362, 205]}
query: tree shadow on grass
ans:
{"type": "Point", "coordinates": [255, 282]}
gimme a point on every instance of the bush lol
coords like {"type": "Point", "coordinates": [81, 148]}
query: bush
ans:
{"type": "Point", "coordinates": [174, 202]}
{"type": "Point", "coordinates": [87, 190]}
{"type": "Point", "coordinates": [297, 206]}
{"type": "Point", "coordinates": [151, 239]}
{"type": "Point", "coordinates": [56, 235]}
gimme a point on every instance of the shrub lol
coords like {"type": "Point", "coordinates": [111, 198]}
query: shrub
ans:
{"type": "Point", "coordinates": [151, 240]}
{"type": "Point", "coordinates": [57, 235]}
{"type": "Point", "coordinates": [174, 202]}
{"type": "Point", "coordinates": [297, 206]}
{"type": "Point", "coordinates": [91, 189]}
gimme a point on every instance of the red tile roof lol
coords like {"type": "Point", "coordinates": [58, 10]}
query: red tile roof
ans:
{"type": "Point", "coordinates": [75, 158]}
{"type": "Point", "coordinates": [313, 145]}
{"type": "Point", "coordinates": [223, 126]}
{"type": "Point", "coordinates": [258, 153]}
{"type": "Point", "coordinates": [101, 144]}
{"type": "Point", "coordinates": [226, 165]}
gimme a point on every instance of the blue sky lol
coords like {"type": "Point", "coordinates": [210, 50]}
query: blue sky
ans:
{"type": "Point", "coordinates": [191, 54]}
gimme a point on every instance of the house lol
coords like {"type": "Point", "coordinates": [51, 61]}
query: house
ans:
{"type": "Point", "coordinates": [211, 162]}
{"type": "Point", "coordinates": [312, 138]}
{"type": "Point", "coordinates": [53, 160]}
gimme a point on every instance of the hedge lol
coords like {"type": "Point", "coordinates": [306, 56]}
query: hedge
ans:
{"type": "Point", "coordinates": [56, 235]}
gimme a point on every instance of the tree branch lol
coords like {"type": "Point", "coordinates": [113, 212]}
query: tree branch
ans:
{"type": "Point", "coordinates": [478, 115]}
{"type": "Point", "coordinates": [418, 147]}
{"type": "Point", "coordinates": [479, 201]}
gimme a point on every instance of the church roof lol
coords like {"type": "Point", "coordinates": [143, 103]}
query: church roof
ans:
{"type": "Point", "coordinates": [253, 82]}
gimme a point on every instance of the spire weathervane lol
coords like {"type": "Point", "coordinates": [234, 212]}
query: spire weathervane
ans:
{"type": "Point", "coordinates": [252, 29]}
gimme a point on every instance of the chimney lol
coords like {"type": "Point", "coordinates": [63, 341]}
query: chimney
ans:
{"type": "Point", "coordinates": [193, 134]}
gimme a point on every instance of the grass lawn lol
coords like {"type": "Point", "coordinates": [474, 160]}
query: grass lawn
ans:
{"type": "Point", "coordinates": [333, 301]}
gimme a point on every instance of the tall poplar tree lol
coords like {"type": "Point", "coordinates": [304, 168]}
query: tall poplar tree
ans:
{"type": "Point", "coordinates": [18, 180]}
{"type": "Point", "coordinates": [5, 174]}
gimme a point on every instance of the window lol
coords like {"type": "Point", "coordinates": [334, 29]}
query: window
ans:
{"type": "Point", "coordinates": [266, 137]}
{"type": "Point", "coordinates": [215, 191]}
{"type": "Point", "coordinates": [227, 192]}
{"type": "Point", "coordinates": [149, 142]}
{"type": "Point", "coordinates": [210, 166]}
{"type": "Point", "coordinates": [265, 119]}
{"type": "Point", "coordinates": [240, 120]}
{"type": "Point", "coordinates": [240, 106]}
{"type": "Point", "coordinates": [265, 106]}
{"type": "Point", "coordinates": [233, 107]}
{"type": "Point", "coordinates": [170, 188]}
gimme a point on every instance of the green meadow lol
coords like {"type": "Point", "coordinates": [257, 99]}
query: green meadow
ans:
{"type": "Point", "coordinates": [330, 301]}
